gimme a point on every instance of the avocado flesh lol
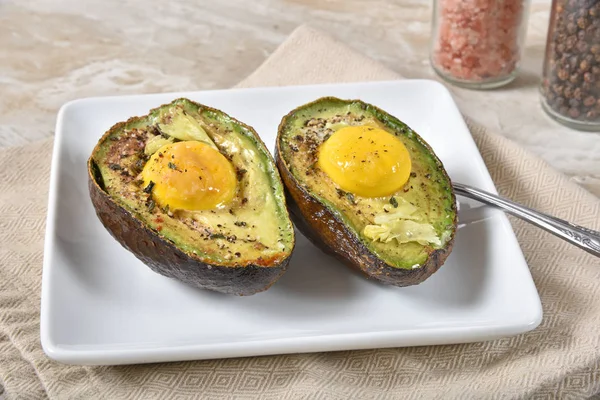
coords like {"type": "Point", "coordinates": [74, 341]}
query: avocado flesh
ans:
{"type": "Point", "coordinates": [428, 189]}
{"type": "Point", "coordinates": [253, 230]}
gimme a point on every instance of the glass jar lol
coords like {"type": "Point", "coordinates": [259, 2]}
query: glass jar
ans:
{"type": "Point", "coordinates": [570, 88]}
{"type": "Point", "coordinates": [477, 43]}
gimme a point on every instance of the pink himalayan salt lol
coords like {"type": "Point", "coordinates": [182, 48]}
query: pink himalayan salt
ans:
{"type": "Point", "coordinates": [477, 40]}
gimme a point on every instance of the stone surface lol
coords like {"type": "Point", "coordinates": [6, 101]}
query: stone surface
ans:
{"type": "Point", "coordinates": [53, 52]}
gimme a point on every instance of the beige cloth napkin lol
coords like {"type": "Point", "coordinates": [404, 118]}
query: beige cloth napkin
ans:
{"type": "Point", "coordinates": [559, 359]}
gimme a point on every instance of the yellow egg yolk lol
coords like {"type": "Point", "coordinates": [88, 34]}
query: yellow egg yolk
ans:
{"type": "Point", "coordinates": [366, 161]}
{"type": "Point", "coordinates": [189, 176]}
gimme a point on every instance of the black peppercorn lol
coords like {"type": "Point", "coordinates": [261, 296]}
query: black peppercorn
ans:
{"type": "Point", "coordinates": [573, 62]}
{"type": "Point", "coordinates": [589, 32]}
{"type": "Point", "coordinates": [571, 79]}
{"type": "Point", "coordinates": [563, 110]}
{"type": "Point", "coordinates": [574, 112]}
{"type": "Point", "coordinates": [582, 46]}
{"type": "Point", "coordinates": [563, 74]}
{"type": "Point", "coordinates": [558, 89]}
{"type": "Point", "coordinates": [589, 101]}
{"type": "Point", "coordinates": [582, 22]}
{"type": "Point", "coordinates": [568, 92]}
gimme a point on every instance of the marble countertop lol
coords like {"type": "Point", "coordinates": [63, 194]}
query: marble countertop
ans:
{"type": "Point", "coordinates": [53, 52]}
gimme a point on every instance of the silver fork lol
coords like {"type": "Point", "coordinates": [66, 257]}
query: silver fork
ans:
{"type": "Point", "coordinates": [584, 238]}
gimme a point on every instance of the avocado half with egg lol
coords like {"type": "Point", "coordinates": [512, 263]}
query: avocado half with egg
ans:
{"type": "Point", "coordinates": [366, 188]}
{"type": "Point", "coordinates": [196, 196]}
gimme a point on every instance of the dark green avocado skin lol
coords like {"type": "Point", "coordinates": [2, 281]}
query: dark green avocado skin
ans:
{"type": "Point", "coordinates": [327, 231]}
{"type": "Point", "coordinates": [147, 246]}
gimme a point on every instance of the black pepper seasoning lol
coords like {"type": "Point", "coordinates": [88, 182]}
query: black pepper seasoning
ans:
{"type": "Point", "coordinates": [569, 90]}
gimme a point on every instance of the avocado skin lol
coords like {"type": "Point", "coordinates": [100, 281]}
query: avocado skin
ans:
{"type": "Point", "coordinates": [164, 257]}
{"type": "Point", "coordinates": [328, 232]}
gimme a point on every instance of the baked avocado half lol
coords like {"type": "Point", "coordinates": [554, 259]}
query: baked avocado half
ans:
{"type": "Point", "coordinates": [196, 196]}
{"type": "Point", "coordinates": [365, 187]}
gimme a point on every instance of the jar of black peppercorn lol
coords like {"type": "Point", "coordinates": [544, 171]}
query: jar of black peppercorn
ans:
{"type": "Point", "coordinates": [570, 88]}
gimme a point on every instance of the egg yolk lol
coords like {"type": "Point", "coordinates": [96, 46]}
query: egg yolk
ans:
{"type": "Point", "coordinates": [189, 176]}
{"type": "Point", "coordinates": [365, 161]}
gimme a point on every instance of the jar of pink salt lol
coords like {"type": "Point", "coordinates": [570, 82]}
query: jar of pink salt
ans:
{"type": "Point", "coordinates": [477, 43]}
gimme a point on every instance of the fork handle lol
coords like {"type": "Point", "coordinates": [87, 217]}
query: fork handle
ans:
{"type": "Point", "coordinates": [584, 238]}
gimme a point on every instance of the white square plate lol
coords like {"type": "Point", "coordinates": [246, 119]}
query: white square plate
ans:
{"type": "Point", "coordinates": [100, 305]}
